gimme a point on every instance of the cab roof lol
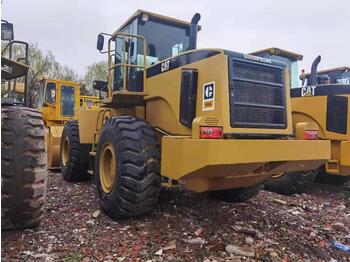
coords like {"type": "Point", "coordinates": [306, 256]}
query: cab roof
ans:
{"type": "Point", "coordinates": [60, 81]}
{"type": "Point", "coordinates": [157, 16]}
{"type": "Point", "coordinates": [279, 51]}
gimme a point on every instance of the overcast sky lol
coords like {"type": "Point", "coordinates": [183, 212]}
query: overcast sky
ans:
{"type": "Point", "coordinates": [69, 28]}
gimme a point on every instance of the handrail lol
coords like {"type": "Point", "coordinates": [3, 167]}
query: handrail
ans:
{"type": "Point", "coordinates": [123, 63]}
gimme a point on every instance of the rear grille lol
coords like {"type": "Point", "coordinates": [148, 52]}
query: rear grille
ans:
{"type": "Point", "coordinates": [257, 95]}
{"type": "Point", "coordinates": [337, 114]}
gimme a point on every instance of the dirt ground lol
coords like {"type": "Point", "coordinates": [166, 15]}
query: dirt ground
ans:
{"type": "Point", "coordinates": [187, 226]}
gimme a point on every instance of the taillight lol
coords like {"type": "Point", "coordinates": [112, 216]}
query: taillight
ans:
{"type": "Point", "coordinates": [310, 134]}
{"type": "Point", "coordinates": [210, 132]}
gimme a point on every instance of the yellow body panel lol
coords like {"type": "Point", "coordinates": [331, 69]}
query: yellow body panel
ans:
{"type": "Point", "coordinates": [314, 109]}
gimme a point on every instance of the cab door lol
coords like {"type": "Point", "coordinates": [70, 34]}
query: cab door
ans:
{"type": "Point", "coordinates": [67, 101]}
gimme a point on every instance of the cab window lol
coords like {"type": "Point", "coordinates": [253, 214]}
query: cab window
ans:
{"type": "Point", "coordinates": [67, 100]}
{"type": "Point", "coordinates": [50, 95]}
{"type": "Point", "coordinates": [293, 69]}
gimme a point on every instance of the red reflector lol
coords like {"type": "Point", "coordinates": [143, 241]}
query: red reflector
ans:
{"type": "Point", "coordinates": [208, 132]}
{"type": "Point", "coordinates": [310, 134]}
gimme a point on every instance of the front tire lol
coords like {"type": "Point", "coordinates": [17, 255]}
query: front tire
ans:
{"type": "Point", "coordinates": [23, 167]}
{"type": "Point", "coordinates": [73, 155]}
{"type": "Point", "coordinates": [324, 177]}
{"type": "Point", "coordinates": [127, 169]}
{"type": "Point", "coordinates": [291, 182]}
{"type": "Point", "coordinates": [236, 195]}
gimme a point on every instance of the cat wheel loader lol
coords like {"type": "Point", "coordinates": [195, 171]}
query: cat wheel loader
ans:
{"type": "Point", "coordinates": [324, 99]}
{"type": "Point", "coordinates": [57, 101]}
{"type": "Point", "coordinates": [23, 156]}
{"type": "Point", "coordinates": [219, 121]}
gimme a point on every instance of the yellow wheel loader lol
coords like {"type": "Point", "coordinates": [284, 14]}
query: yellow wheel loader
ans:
{"type": "Point", "coordinates": [57, 100]}
{"type": "Point", "coordinates": [23, 156]}
{"type": "Point", "coordinates": [324, 99]}
{"type": "Point", "coordinates": [218, 120]}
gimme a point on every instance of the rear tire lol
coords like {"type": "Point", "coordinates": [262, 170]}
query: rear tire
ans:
{"type": "Point", "coordinates": [324, 177]}
{"type": "Point", "coordinates": [291, 182]}
{"type": "Point", "coordinates": [23, 167]}
{"type": "Point", "coordinates": [73, 155]}
{"type": "Point", "coordinates": [236, 195]}
{"type": "Point", "coordinates": [130, 148]}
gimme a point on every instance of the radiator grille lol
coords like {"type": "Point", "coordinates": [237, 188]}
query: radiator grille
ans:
{"type": "Point", "coordinates": [337, 114]}
{"type": "Point", "coordinates": [257, 95]}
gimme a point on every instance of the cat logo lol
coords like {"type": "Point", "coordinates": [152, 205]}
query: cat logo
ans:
{"type": "Point", "coordinates": [165, 66]}
{"type": "Point", "coordinates": [208, 96]}
{"type": "Point", "coordinates": [308, 91]}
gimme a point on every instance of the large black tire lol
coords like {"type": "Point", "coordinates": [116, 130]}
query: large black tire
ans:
{"type": "Point", "coordinates": [23, 167]}
{"type": "Point", "coordinates": [75, 163]}
{"type": "Point", "coordinates": [135, 187]}
{"type": "Point", "coordinates": [291, 182]}
{"type": "Point", "coordinates": [236, 195]}
{"type": "Point", "coordinates": [324, 177]}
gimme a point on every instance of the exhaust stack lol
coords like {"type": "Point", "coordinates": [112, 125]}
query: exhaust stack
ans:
{"type": "Point", "coordinates": [313, 76]}
{"type": "Point", "coordinates": [193, 31]}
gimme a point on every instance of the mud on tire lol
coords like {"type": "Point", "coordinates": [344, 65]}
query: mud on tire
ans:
{"type": "Point", "coordinates": [75, 167]}
{"type": "Point", "coordinates": [291, 182]}
{"type": "Point", "coordinates": [236, 195]}
{"type": "Point", "coordinates": [136, 185]}
{"type": "Point", "coordinates": [23, 167]}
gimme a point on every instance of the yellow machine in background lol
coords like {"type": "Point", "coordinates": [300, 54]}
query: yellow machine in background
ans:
{"type": "Point", "coordinates": [324, 99]}
{"type": "Point", "coordinates": [218, 120]}
{"type": "Point", "coordinates": [58, 100]}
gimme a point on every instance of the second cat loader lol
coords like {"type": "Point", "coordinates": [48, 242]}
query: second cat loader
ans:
{"type": "Point", "coordinates": [218, 120]}
{"type": "Point", "coordinates": [57, 101]}
{"type": "Point", "coordinates": [324, 99]}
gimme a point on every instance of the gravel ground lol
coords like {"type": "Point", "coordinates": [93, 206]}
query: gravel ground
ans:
{"type": "Point", "coordinates": [187, 227]}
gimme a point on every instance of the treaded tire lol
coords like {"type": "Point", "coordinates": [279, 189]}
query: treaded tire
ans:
{"type": "Point", "coordinates": [324, 177]}
{"type": "Point", "coordinates": [136, 186]}
{"type": "Point", "coordinates": [236, 195]}
{"type": "Point", "coordinates": [291, 182]}
{"type": "Point", "coordinates": [78, 161]}
{"type": "Point", "coordinates": [23, 167]}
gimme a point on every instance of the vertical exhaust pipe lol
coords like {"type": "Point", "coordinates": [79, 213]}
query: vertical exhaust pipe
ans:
{"type": "Point", "coordinates": [313, 76]}
{"type": "Point", "coordinates": [193, 31]}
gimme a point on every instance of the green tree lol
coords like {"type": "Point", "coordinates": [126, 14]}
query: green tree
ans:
{"type": "Point", "coordinates": [41, 65]}
{"type": "Point", "coordinates": [96, 71]}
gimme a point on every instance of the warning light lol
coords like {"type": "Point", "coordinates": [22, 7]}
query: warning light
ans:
{"type": "Point", "coordinates": [310, 134]}
{"type": "Point", "coordinates": [210, 132]}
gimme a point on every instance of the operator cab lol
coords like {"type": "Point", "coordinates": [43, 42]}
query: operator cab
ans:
{"type": "Point", "coordinates": [58, 94]}
{"type": "Point", "coordinates": [290, 58]}
{"type": "Point", "coordinates": [144, 40]}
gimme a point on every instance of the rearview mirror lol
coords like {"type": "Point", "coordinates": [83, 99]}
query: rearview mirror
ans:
{"type": "Point", "coordinates": [100, 85]}
{"type": "Point", "coordinates": [100, 42]}
{"type": "Point", "coordinates": [6, 31]}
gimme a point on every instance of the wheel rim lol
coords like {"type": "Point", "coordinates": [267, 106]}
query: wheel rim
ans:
{"type": "Point", "coordinates": [107, 166]}
{"type": "Point", "coordinates": [65, 151]}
